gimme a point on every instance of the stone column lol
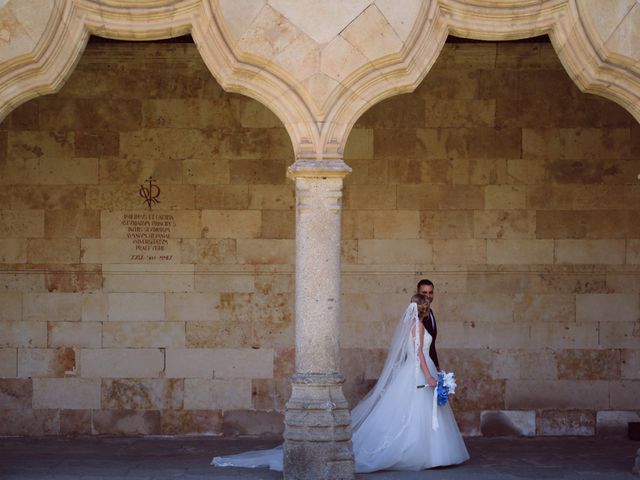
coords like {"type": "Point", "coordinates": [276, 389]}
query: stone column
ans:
{"type": "Point", "coordinates": [317, 438]}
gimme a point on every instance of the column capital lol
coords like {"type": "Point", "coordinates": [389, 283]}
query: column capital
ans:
{"type": "Point", "coordinates": [318, 169]}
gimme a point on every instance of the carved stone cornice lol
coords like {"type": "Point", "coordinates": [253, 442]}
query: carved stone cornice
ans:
{"type": "Point", "coordinates": [320, 100]}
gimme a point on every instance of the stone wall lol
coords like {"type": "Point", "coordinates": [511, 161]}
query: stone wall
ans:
{"type": "Point", "coordinates": [518, 196]}
{"type": "Point", "coordinates": [497, 179]}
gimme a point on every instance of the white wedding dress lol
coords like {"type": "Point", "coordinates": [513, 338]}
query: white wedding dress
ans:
{"type": "Point", "coordinates": [394, 427]}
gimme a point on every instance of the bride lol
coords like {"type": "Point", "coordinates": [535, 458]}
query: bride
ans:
{"type": "Point", "coordinates": [396, 426]}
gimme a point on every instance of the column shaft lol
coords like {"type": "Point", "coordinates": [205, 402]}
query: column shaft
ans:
{"type": "Point", "coordinates": [317, 420]}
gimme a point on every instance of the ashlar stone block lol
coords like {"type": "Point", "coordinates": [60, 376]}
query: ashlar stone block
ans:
{"type": "Point", "coordinates": [191, 306]}
{"type": "Point", "coordinates": [213, 394]}
{"type": "Point", "coordinates": [613, 423]}
{"type": "Point", "coordinates": [142, 394]}
{"type": "Point", "coordinates": [143, 334]}
{"type": "Point", "coordinates": [8, 362]}
{"type": "Point", "coordinates": [23, 334]}
{"type": "Point", "coordinates": [53, 250]}
{"type": "Point", "coordinates": [13, 250]}
{"type": "Point", "coordinates": [21, 224]}
{"type": "Point", "coordinates": [619, 334]}
{"type": "Point", "coordinates": [398, 252]}
{"type": "Point", "coordinates": [259, 252]}
{"type": "Point", "coordinates": [520, 251]}
{"type": "Point", "coordinates": [121, 363]}
{"type": "Point", "coordinates": [67, 393]}
{"type": "Point", "coordinates": [590, 251]}
{"type": "Point", "coordinates": [544, 308]}
{"type": "Point", "coordinates": [567, 422]}
{"type": "Point", "coordinates": [10, 306]}
{"type": "Point", "coordinates": [75, 334]}
{"type": "Point", "coordinates": [219, 363]}
{"type": "Point", "coordinates": [524, 364]}
{"type": "Point", "coordinates": [142, 307]}
{"type": "Point", "coordinates": [72, 223]}
{"type": "Point", "coordinates": [148, 278]}
{"type": "Point", "coordinates": [520, 423]}
{"type": "Point", "coordinates": [126, 422]}
{"type": "Point", "coordinates": [586, 364]}
{"type": "Point", "coordinates": [396, 224]}
{"type": "Point", "coordinates": [231, 224]}
{"type": "Point", "coordinates": [557, 394]}
{"type": "Point", "coordinates": [607, 307]}
{"type": "Point", "coordinates": [624, 395]}
{"type": "Point", "coordinates": [53, 307]}
{"type": "Point", "coordinates": [630, 364]}
{"type": "Point", "coordinates": [46, 362]}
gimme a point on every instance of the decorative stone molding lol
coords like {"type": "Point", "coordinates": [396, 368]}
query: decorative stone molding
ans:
{"type": "Point", "coordinates": [319, 72]}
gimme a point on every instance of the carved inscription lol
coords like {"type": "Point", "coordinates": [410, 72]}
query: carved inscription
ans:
{"type": "Point", "coordinates": [149, 234]}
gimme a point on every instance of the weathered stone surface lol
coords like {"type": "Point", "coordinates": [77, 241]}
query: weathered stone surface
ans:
{"type": "Point", "coordinates": [53, 251]}
{"type": "Point", "coordinates": [49, 197]}
{"type": "Point", "coordinates": [561, 335]}
{"type": "Point", "coordinates": [74, 334]}
{"type": "Point", "coordinates": [185, 422]}
{"type": "Point", "coordinates": [613, 423]}
{"type": "Point", "coordinates": [75, 422]}
{"type": "Point", "coordinates": [142, 394]}
{"type": "Point", "coordinates": [244, 422]}
{"type": "Point", "coordinates": [566, 422]}
{"type": "Point", "coordinates": [560, 394]}
{"type": "Point", "coordinates": [211, 394]}
{"type": "Point", "coordinates": [624, 395]}
{"type": "Point", "coordinates": [8, 362]}
{"type": "Point", "coordinates": [30, 422]}
{"type": "Point", "coordinates": [611, 307]}
{"type": "Point", "coordinates": [214, 251]}
{"type": "Point", "coordinates": [143, 334]}
{"type": "Point", "coordinates": [590, 251]}
{"type": "Point", "coordinates": [260, 252]}
{"type": "Point", "coordinates": [13, 250]}
{"type": "Point", "coordinates": [46, 362]}
{"type": "Point", "coordinates": [67, 393]}
{"type": "Point", "coordinates": [218, 334]}
{"type": "Point", "coordinates": [588, 365]}
{"type": "Point", "coordinates": [267, 197]}
{"type": "Point", "coordinates": [630, 368]}
{"type": "Point", "coordinates": [544, 308]}
{"type": "Point", "coordinates": [520, 423]}
{"type": "Point", "coordinates": [23, 334]}
{"type": "Point", "coordinates": [97, 144]}
{"type": "Point", "coordinates": [71, 224]}
{"type": "Point", "coordinates": [126, 422]}
{"type": "Point", "coordinates": [220, 363]}
{"type": "Point", "coordinates": [231, 224]}
{"type": "Point", "coordinates": [73, 278]}
{"type": "Point", "coordinates": [530, 364]}
{"type": "Point", "coordinates": [21, 223]}
{"type": "Point", "coordinates": [121, 363]}
{"type": "Point", "coordinates": [10, 306]}
{"type": "Point", "coordinates": [231, 197]}
{"type": "Point", "coordinates": [16, 393]}
{"type": "Point", "coordinates": [52, 307]}
{"type": "Point", "coordinates": [619, 334]}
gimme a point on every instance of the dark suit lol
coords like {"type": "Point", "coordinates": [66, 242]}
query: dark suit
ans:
{"type": "Point", "coordinates": [431, 326]}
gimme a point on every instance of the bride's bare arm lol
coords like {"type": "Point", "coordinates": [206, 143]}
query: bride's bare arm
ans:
{"type": "Point", "coordinates": [423, 362]}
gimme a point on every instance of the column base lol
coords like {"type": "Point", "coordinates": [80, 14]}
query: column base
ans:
{"type": "Point", "coordinates": [317, 437]}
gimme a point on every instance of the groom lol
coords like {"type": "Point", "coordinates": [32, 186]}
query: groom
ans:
{"type": "Point", "coordinates": [425, 287]}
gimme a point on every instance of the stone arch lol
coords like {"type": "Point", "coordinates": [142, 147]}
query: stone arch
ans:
{"type": "Point", "coordinates": [319, 109]}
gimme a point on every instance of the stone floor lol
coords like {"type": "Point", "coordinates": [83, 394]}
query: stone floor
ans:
{"type": "Point", "coordinates": [161, 458]}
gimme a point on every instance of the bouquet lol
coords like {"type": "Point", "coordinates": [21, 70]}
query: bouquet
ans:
{"type": "Point", "coordinates": [446, 386]}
